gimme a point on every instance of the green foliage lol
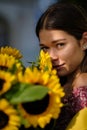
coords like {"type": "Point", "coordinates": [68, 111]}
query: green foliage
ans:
{"type": "Point", "coordinates": [21, 93]}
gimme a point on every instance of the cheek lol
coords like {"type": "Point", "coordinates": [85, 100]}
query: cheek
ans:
{"type": "Point", "coordinates": [71, 53]}
{"type": "Point", "coordinates": [66, 55]}
{"type": "Point", "coordinates": [72, 59]}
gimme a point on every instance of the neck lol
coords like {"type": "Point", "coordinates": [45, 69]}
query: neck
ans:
{"type": "Point", "coordinates": [70, 78]}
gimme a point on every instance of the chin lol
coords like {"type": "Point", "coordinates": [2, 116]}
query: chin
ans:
{"type": "Point", "coordinates": [62, 74]}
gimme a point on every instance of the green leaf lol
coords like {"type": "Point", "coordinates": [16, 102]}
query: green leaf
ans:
{"type": "Point", "coordinates": [28, 93]}
{"type": "Point", "coordinates": [13, 90]}
{"type": "Point", "coordinates": [46, 68]}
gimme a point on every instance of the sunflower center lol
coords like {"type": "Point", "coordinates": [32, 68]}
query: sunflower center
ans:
{"type": "Point", "coordinates": [3, 67]}
{"type": "Point", "coordinates": [37, 107]}
{"type": "Point", "coordinates": [1, 83]}
{"type": "Point", "coordinates": [3, 119]}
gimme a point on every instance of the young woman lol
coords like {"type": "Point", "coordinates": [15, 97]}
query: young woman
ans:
{"type": "Point", "coordinates": [62, 32]}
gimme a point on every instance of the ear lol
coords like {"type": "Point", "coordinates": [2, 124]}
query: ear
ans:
{"type": "Point", "coordinates": [84, 41]}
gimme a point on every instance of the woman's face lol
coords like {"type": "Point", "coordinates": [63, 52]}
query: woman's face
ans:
{"type": "Point", "coordinates": [65, 50]}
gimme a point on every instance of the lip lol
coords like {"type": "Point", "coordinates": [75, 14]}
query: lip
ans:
{"type": "Point", "coordinates": [58, 66]}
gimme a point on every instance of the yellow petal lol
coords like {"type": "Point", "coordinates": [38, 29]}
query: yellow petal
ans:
{"type": "Point", "coordinates": [14, 118]}
{"type": "Point", "coordinates": [3, 104]}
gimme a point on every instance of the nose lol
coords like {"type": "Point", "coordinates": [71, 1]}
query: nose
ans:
{"type": "Point", "coordinates": [53, 54]}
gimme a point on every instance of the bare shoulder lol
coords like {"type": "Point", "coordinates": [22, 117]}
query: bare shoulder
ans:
{"type": "Point", "coordinates": [81, 80]}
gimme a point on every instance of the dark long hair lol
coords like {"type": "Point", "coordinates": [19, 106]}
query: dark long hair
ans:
{"type": "Point", "coordinates": [67, 17]}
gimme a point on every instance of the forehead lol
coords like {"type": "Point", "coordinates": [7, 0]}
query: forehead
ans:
{"type": "Point", "coordinates": [53, 35]}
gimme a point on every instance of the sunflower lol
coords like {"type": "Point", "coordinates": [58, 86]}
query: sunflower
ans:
{"type": "Point", "coordinates": [11, 52]}
{"type": "Point", "coordinates": [9, 119]}
{"type": "Point", "coordinates": [45, 61]}
{"type": "Point", "coordinates": [7, 62]}
{"type": "Point", "coordinates": [40, 112]}
{"type": "Point", "coordinates": [6, 80]}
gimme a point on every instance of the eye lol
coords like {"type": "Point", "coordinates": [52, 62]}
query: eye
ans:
{"type": "Point", "coordinates": [60, 45]}
{"type": "Point", "coordinates": [44, 48]}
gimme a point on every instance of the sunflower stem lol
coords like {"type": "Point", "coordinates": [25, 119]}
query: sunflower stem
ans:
{"type": "Point", "coordinates": [38, 128]}
{"type": "Point", "coordinates": [53, 125]}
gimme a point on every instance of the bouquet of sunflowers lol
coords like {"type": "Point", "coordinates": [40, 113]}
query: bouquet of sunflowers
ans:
{"type": "Point", "coordinates": [29, 96]}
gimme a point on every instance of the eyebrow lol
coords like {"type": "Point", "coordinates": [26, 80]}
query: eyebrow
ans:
{"type": "Point", "coordinates": [59, 40]}
{"type": "Point", "coordinates": [55, 41]}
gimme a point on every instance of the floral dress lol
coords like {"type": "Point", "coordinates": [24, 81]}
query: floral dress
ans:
{"type": "Point", "coordinates": [75, 102]}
